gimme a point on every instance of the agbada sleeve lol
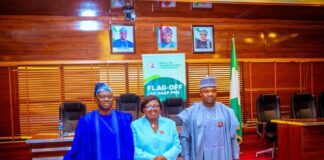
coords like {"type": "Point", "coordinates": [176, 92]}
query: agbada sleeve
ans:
{"type": "Point", "coordinates": [128, 142]}
{"type": "Point", "coordinates": [233, 134]}
{"type": "Point", "coordinates": [79, 149]}
{"type": "Point", "coordinates": [185, 135]}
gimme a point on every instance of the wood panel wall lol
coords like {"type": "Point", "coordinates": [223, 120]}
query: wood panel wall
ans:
{"type": "Point", "coordinates": [37, 30]}
{"type": "Point", "coordinates": [29, 38]}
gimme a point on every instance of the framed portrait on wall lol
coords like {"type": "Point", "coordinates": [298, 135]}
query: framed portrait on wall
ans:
{"type": "Point", "coordinates": [202, 5]}
{"type": "Point", "coordinates": [167, 38]}
{"type": "Point", "coordinates": [203, 39]}
{"type": "Point", "coordinates": [122, 38]}
{"type": "Point", "coordinates": [117, 3]}
{"type": "Point", "coordinates": [168, 4]}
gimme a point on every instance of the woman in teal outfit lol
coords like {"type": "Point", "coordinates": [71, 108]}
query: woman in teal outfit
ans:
{"type": "Point", "coordinates": [155, 137]}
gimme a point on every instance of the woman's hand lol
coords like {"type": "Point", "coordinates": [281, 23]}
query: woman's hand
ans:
{"type": "Point", "coordinates": [159, 158]}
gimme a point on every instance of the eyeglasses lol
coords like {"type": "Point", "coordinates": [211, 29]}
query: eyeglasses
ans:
{"type": "Point", "coordinates": [153, 107]}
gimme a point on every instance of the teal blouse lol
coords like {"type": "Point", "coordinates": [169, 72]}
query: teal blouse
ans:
{"type": "Point", "coordinates": [149, 144]}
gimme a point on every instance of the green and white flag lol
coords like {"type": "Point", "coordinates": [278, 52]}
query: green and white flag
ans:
{"type": "Point", "coordinates": [164, 75]}
{"type": "Point", "coordinates": [235, 103]}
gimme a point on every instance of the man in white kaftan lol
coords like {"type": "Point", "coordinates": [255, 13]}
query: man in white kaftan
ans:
{"type": "Point", "coordinates": [209, 128]}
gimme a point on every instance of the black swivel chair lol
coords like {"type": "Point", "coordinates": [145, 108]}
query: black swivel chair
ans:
{"type": "Point", "coordinates": [268, 108]}
{"type": "Point", "coordinates": [130, 103]}
{"type": "Point", "coordinates": [172, 106]}
{"type": "Point", "coordinates": [321, 104]}
{"type": "Point", "coordinates": [303, 105]}
{"type": "Point", "coordinates": [70, 113]}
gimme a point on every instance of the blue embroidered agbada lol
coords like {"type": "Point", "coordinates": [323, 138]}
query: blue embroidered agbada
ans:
{"type": "Point", "coordinates": [209, 134]}
{"type": "Point", "coordinates": [103, 137]}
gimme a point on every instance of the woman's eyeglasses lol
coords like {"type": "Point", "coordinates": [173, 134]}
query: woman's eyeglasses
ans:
{"type": "Point", "coordinates": [152, 107]}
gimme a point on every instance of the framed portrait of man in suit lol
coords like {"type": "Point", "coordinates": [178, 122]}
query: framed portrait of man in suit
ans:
{"type": "Point", "coordinates": [168, 4]}
{"type": "Point", "coordinates": [167, 38]}
{"type": "Point", "coordinates": [202, 5]}
{"type": "Point", "coordinates": [117, 3]}
{"type": "Point", "coordinates": [122, 38]}
{"type": "Point", "coordinates": [203, 39]}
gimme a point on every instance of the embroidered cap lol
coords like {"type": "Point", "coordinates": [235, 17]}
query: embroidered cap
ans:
{"type": "Point", "coordinates": [122, 29]}
{"type": "Point", "coordinates": [100, 87]}
{"type": "Point", "coordinates": [203, 31]}
{"type": "Point", "coordinates": [208, 82]}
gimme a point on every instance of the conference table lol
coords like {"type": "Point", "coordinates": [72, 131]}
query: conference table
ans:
{"type": "Point", "coordinates": [48, 146]}
{"type": "Point", "coordinates": [300, 139]}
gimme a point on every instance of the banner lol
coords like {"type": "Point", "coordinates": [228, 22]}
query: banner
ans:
{"type": "Point", "coordinates": [164, 75]}
{"type": "Point", "coordinates": [235, 103]}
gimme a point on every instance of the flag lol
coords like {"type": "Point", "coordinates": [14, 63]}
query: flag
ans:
{"type": "Point", "coordinates": [235, 90]}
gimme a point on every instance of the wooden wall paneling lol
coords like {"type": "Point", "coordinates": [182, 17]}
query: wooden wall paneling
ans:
{"type": "Point", "coordinates": [263, 76]}
{"type": "Point", "coordinates": [63, 38]}
{"type": "Point", "coordinates": [146, 41]}
{"type": "Point", "coordinates": [181, 10]}
{"type": "Point", "coordinates": [9, 112]}
{"type": "Point", "coordinates": [147, 8]}
{"type": "Point", "coordinates": [5, 109]}
{"type": "Point", "coordinates": [288, 83]}
{"type": "Point", "coordinates": [318, 77]}
{"type": "Point", "coordinates": [295, 40]}
{"type": "Point", "coordinates": [48, 38]}
{"type": "Point", "coordinates": [248, 41]}
{"type": "Point", "coordinates": [258, 79]}
{"type": "Point", "coordinates": [185, 38]}
{"type": "Point", "coordinates": [285, 102]}
{"type": "Point", "coordinates": [288, 76]}
{"type": "Point", "coordinates": [306, 77]}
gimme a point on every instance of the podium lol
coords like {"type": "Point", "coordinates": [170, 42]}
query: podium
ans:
{"type": "Point", "coordinates": [49, 146]}
{"type": "Point", "coordinates": [300, 139]}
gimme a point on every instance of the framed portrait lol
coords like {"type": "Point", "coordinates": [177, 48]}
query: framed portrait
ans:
{"type": "Point", "coordinates": [203, 39]}
{"type": "Point", "coordinates": [117, 3]}
{"type": "Point", "coordinates": [168, 4]}
{"type": "Point", "coordinates": [167, 38]}
{"type": "Point", "coordinates": [122, 38]}
{"type": "Point", "coordinates": [202, 5]}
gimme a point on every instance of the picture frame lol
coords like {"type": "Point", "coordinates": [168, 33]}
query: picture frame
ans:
{"type": "Point", "coordinates": [203, 39]}
{"type": "Point", "coordinates": [122, 38]}
{"type": "Point", "coordinates": [202, 5]}
{"type": "Point", "coordinates": [117, 3]}
{"type": "Point", "coordinates": [167, 38]}
{"type": "Point", "coordinates": [168, 4]}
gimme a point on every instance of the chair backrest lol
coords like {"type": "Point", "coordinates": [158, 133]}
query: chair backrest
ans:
{"type": "Point", "coordinates": [172, 106]}
{"type": "Point", "coordinates": [70, 113]}
{"type": "Point", "coordinates": [321, 104]}
{"type": "Point", "coordinates": [303, 105]}
{"type": "Point", "coordinates": [268, 107]}
{"type": "Point", "coordinates": [129, 102]}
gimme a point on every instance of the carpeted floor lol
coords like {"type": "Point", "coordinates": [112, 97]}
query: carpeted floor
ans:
{"type": "Point", "coordinates": [250, 155]}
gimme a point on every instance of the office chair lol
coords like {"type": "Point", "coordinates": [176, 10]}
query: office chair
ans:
{"type": "Point", "coordinates": [130, 103]}
{"type": "Point", "coordinates": [321, 104]}
{"type": "Point", "coordinates": [268, 108]}
{"type": "Point", "coordinates": [303, 105]}
{"type": "Point", "coordinates": [172, 106]}
{"type": "Point", "coordinates": [70, 113]}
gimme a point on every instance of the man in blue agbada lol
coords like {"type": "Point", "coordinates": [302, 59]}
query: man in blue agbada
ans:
{"type": "Point", "coordinates": [103, 134]}
{"type": "Point", "coordinates": [209, 128]}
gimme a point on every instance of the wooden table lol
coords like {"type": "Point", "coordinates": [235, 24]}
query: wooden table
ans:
{"type": "Point", "coordinates": [49, 146]}
{"type": "Point", "coordinates": [300, 139]}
